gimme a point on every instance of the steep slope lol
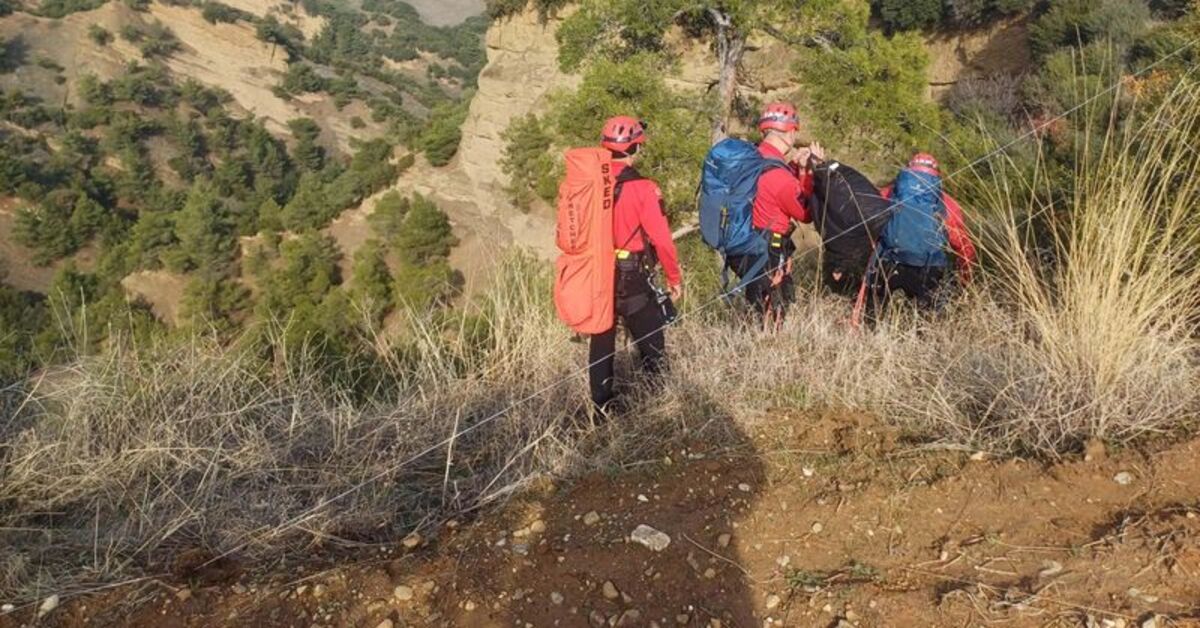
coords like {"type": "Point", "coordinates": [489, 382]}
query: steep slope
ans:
{"type": "Point", "coordinates": [522, 71]}
{"type": "Point", "coordinates": [227, 56]}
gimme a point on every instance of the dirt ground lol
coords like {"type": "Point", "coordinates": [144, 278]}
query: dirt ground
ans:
{"type": "Point", "coordinates": [806, 521]}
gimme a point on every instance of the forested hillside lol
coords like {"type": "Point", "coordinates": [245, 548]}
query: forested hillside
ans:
{"type": "Point", "coordinates": [133, 151]}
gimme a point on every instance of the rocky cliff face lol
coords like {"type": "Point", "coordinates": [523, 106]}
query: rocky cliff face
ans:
{"type": "Point", "coordinates": [522, 71]}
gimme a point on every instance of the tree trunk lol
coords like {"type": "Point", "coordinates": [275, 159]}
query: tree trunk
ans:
{"type": "Point", "coordinates": [731, 45]}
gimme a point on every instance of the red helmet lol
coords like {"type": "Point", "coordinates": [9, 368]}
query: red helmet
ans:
{"type": "Point", "coordinates": [924, 161]}
{"type": "Point", "coordinates": [779, 116]}
{"type": "Point", "coordinates": [623, 133]}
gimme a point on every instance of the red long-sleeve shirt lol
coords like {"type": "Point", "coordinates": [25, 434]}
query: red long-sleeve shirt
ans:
{"type": "Point", "coordinates": [640, 207]}
{"type": "Point", "coordinates": [781, 195]}
{"type": "Point", "coordinates": [956, 232]}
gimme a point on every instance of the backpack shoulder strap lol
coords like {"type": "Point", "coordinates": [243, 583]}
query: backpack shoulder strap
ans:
{"type": "Point", "coordinates": [628, 174]}
{"type": "Point", "coordinates": [771, 163]}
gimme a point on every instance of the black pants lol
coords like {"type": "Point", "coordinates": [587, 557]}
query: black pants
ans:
{"type": "Point", "coordinates": [760, 293]}
{"type": "Point", "coordinates": [643, 319]}
{"type": "Point", "coordinates": [921, 284]}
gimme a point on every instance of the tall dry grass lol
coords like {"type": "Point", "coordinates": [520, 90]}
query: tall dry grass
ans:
{"type": "Point", "coordinates": [112, 465]}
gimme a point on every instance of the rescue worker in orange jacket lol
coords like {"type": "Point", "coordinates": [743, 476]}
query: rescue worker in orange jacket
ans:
{"type": "Point", "coordinates": [643, 238]}
{"type": "Point", "coordinates": [925, 231]}
{"type": "Point", "coordinates": [780, 201]}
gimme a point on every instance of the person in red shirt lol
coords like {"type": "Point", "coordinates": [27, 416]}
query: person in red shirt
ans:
{"type": "Point", "coordinates": [924, 284]}
{"type": "Point", "coordinates": [780, 200]}
{"type": "Point", "coordinates": [643, 240]}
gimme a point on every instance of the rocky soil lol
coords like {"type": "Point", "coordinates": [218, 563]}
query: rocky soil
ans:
{"type": "Point", "coordinates": [808, 521]}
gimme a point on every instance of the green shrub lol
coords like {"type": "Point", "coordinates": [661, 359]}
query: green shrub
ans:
{"type": "Point", "coordinates": [389, 214]}
{"type": "Point", "coordinates": [22, 317]}
{"type": "Point", "coordinates": [12, 54]}
{"type": "Point", "coordinates": [273, 32]}
{"type": "Point", "coordinates": [214, 302]}
{"type": "Point", "coordinates": [309, 207]}
{"type": "Point", "coordinates": [301, 78]}
{"type": "Point", "coordinates": [971, 13]}
{"type": "Point", "coordinates": [307, 271]}
{"type": "Point", "coordinates": [63, 8]}
{"type": "Point", "coordinates": [424, 278]}
{"type": "Point", "coordinates": [443, 132]}
{"type": "Point", "coordinates": [100, 35]}
{"type": "Point", "coordinates": [153, 236]}
{"type": "Point", "coordinates": [1080, 22]}
{"type": "Point", "coordinates": [307, 153]}
{"type": "Point", "coordinates": [215, 12]}
{"type": "Point", "coordinates": [529, 161]}
{"type": "Point", "coordinates": [905, 15]}
{"type": "Point", "coordinates": [371, 283]}
{"type": "Point", "coordinates": [871, 96]}
{"type": "Point", "coordinates": [205, 232]}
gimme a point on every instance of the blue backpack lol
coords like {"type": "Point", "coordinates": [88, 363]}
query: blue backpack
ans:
{"type": "Point", "coordinates": [727, 188]}
{"type": "Point", "coordinates": [916, 233]}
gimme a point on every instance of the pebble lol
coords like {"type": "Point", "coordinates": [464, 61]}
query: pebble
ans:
{"type": "Point", "coordinates": [469, 606]}
{"type": "Point", "coordinates": [387, 623]}
{"type": "Point", "coordinates": [48, 605]}
{"type": "Point", "coordinates": [773, 601]}
{"type": "Point", "coordinates": [629, 618]}
{"type": "Point", "coordinates": [642, 498]}
{"type": "Point", "coordinates": [852, 616]}
{"type": "Point", "coordinates": [649, 537]}
{"type": "Point", "coordinates": [7, 608]}
{"type": "Point", "coordinates": [682, 619]}
{"type": "Point", "coordinates": [724, 539]}
{"type": "Point", "coordinates": [610, 590]}
{"type": "Point", "coordinates": [596, 618]}
{"type": "Point", "coordinates": [319, 591]}
{"type": "Point", "coordinates": [743, 487]}
{"type": "Point", "coordinates": [183, 595]}
{"type": "Point", "coordinates": [1123, 478]}
{"type": "Point", "coordinates": [411, 541]}
{"type": "Point", "coordinates": [537, 527]}
{"type": "Point", "coordinates": [817, 527]}
{"type": "Point", "coordinates": [710, 573]}
{"type": "Point", "coordinates": [808, 472]}
{"type": "Point", "coordinates": [403, 593]}
{"type": "Point", "coordinates": [978, 456]}
{"type": "Point", "coordinates": [556, 598]}
{"type": "Point", "coordinates": [592, 518]}
{"type": "Point", "coordinates": [783, 561]}
{"type": "Point", "coordinates": [1150, 623]}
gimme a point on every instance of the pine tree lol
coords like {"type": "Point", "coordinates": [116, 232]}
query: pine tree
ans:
{"type": "Point", "coordinates": [308, 154]}
{"type": "Point", "coordinates": [205, 231]}
{"type": "Point", "coordinates": [426, 234]}
{"type": "Point", "coordinates": [309, 207]}
{"type": "Point", "coordinates": [371, 285]}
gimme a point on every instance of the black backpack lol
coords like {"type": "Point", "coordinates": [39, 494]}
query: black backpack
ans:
{"type": "Point", "coordinates": [850, 214]}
